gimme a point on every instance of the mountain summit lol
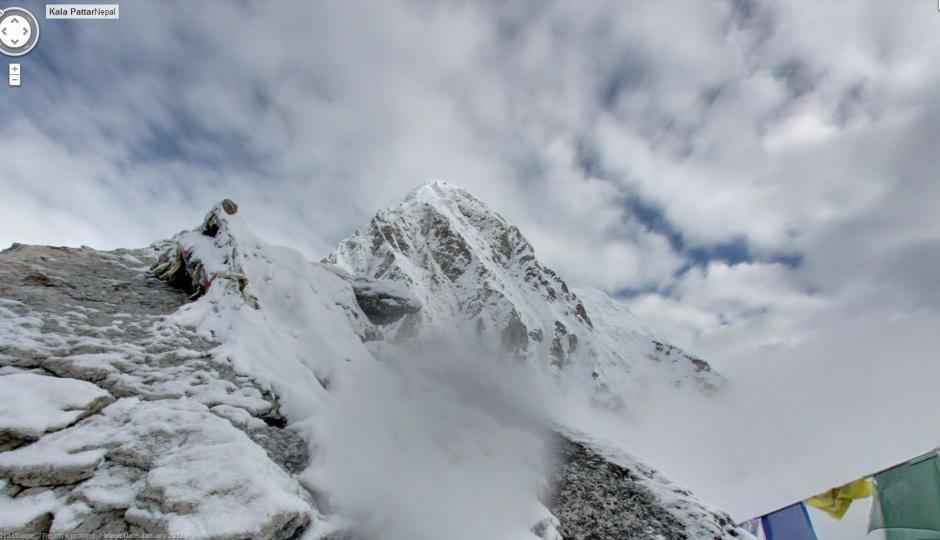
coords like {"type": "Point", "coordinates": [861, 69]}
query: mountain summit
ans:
{"type": "Point", "coordinates": [466, 263]}
{"type": "Point", "coordinates": [472, 269]}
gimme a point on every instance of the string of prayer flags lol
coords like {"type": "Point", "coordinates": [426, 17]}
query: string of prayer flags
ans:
{"type": "Point", "coordinates": [905, 505]}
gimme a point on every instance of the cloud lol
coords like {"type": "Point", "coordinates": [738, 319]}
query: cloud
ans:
{"type": "Point", "coordinates": [441, 439]}
{"type": "Point", "coordinates": [324, 116]}
{"type": "Point", "coordinates": [798, 419]}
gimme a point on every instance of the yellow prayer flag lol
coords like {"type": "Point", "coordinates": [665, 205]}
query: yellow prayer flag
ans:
{"type": "Point", "coordinates": [836, 501]}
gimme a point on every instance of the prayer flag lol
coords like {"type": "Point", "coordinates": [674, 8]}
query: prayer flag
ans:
{"type": "Point", "coordinates": [790, 523]}
{"type": "Point", "coordinates": [836, 501]}
{"type": "Point", "coordinates": [907, 501]}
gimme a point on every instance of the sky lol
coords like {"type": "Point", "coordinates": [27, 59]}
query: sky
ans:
{"type": "Point", "coordinates": [754, 179]}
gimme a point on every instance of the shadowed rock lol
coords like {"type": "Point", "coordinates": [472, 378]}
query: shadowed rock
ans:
{"type": "Point", "coordinates": [384, 303]}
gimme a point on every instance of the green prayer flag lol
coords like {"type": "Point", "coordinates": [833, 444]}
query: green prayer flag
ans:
{"type": "Point", "coordinates": [907, 501]}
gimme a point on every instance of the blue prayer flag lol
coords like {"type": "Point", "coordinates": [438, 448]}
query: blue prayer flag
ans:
{"type": "Point", "coordinates": [791, 523]}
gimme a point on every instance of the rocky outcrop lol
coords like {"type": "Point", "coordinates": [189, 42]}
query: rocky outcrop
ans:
{"type": "Point", "coordinates": [598, 499]}
{"type": "Point", "coordinates": [179, 264]}
{"type": "Point", "coordinates": [116, 420]}
{"type": "Point", "coordinates": [384, 303]}
{"type": "Point", "coordinates": [594, 496]}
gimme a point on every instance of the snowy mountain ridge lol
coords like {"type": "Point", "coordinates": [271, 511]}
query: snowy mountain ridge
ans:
{"type": "Point", "coordinates": [293, 399]}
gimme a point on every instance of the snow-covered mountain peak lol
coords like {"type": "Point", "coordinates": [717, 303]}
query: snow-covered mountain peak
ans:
{"type": "Point", "coordinates": [471, 268]}
{"type": "Point", "coordinates": [454, 222]}
{"type": "Point", "coordinates": [499, 242]}
{"type": "Point", "coordinates": [467, 264]}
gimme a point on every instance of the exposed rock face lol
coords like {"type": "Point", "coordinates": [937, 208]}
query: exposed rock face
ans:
{"type": "Point", "coordinates": [283, 446]}
{"type": "Point", "coordinates": [384, 305]}
{"type": "Point", "coordinates": [596, 497]}
{"type": "Point", "coordinates": [132, 427]}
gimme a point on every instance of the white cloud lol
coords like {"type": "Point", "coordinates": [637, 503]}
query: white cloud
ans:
{"type": "Point", "coordinates": [723, 311]}
{"type": "Point", "coordinates": [802, 128]}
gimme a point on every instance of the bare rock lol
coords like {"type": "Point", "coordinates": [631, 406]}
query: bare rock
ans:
{"type": "Point", "coordinates": [229, 206]}
{"type": "Point", "coordinates": [37, 527]}
{"type": "Point", "coordinates": [383, 302]}
{"type": "Point", "coordinates": [283, 446]}
{"type": "Point", "coordinates": [600, 498]}
{"type": "Point", "coordinates": [42, 466]}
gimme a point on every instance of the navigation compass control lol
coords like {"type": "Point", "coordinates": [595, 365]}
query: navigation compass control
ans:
{"type": "Point", "coordinates": [19, 31]}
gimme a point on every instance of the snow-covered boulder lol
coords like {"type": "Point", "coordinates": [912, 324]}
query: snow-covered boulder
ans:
{"type": "Point", "coordinates": [32, 405]}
